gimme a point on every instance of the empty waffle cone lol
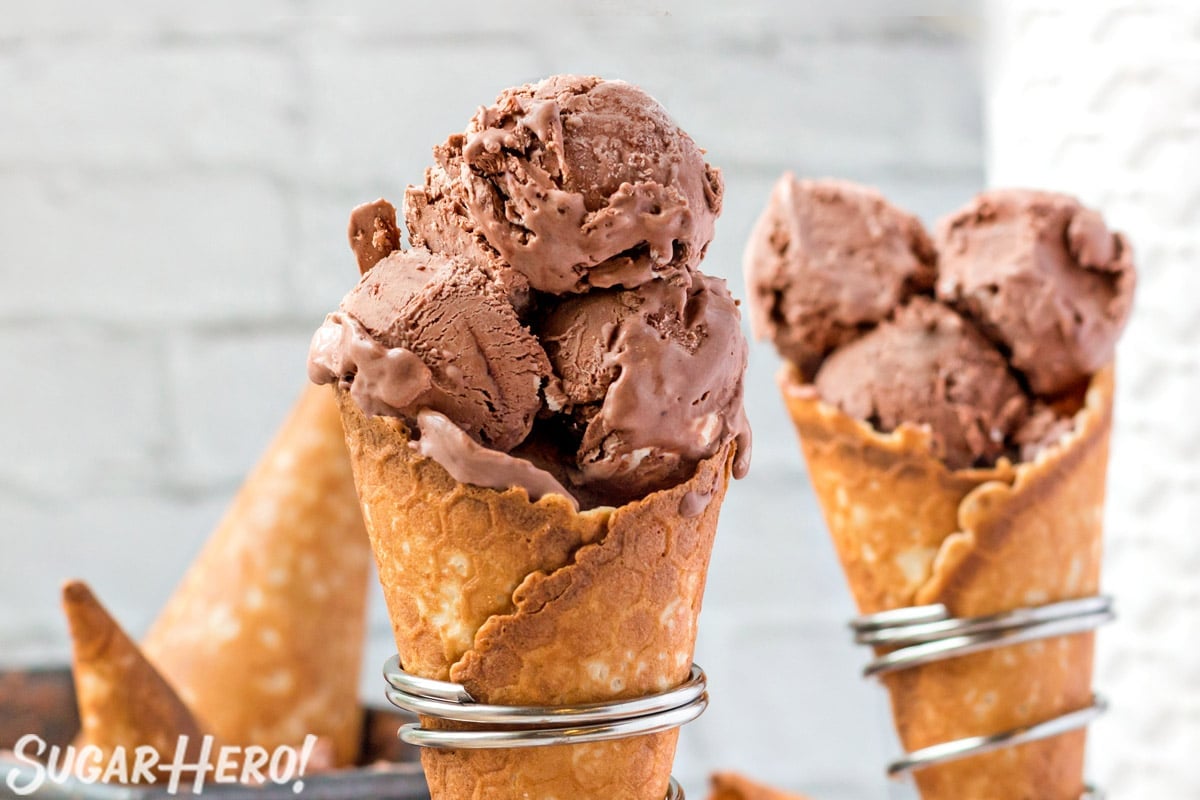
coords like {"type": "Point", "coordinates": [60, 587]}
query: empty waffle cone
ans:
{"type": "Point", "coordinates": [123, 700]}
{"type": "Point", "coordinates": [732, 786]}
{"type": "Point", "coordinates": [909, 531]}
{"type": "Point", "coordinates": [534, 603]}
{"type": "Point", "coordinates": [263, 638]}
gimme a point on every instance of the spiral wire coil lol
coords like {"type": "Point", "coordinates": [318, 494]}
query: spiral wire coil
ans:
{"type": "Point", "coordinates": [507, 727]}
{"type": "Point", "coordinates": [921, 635]}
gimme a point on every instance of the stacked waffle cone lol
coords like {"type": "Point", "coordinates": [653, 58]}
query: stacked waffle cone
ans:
{"type": "Point", "coordinates": [909, 531]}
{"type": "Point", "coordinates": [535, 603]}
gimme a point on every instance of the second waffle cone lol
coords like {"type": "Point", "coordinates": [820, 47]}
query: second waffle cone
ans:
{"type": "Point", "coordinates": [909, 531]}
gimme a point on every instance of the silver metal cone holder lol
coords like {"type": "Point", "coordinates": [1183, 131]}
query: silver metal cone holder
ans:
{"type": "Point", "coordinates": [925, 634]}
{"type": "Point", "coordinates": [490, 727]}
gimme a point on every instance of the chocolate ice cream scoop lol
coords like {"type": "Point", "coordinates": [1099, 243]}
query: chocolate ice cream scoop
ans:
{"type": "Point", "coordinates": [1043, 277]}
{"type": "Point", "coordinates": [653, 377]}
{"type": "Point", "coordinates": [827, 260]}
{"type": "Point", "coordinates": [422, 330]}
{"type": "Point", "coordinates": [929, 366]}
{"type": "Point", "coordinates": [576, 182]}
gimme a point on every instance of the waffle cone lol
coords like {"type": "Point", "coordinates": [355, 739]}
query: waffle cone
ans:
{"type": "Point", "coordinates": [909, 531]}
{"type": "Point", "coordinates": [732, 786]}
{"type": "Point", "coordinates": [123, 700]}
{"type": "Point", "coordinates": [263, 638]}
{"type": "Point", "coordinates": [534, 603]}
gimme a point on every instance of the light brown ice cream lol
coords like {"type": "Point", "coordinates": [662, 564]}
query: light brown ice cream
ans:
{"type": "Point", "coordinates": [575, 182]}
{"type": "Point", "coordinates": [1043, 277]}
{"type": "Point", "coordinates": [422, 330]}
{"type": "Point", "coordinates": [929, 366]}
{"type": "Point", "coordinates": [827, 260]}
{"type": "Point", "coordinates": [653, 379]}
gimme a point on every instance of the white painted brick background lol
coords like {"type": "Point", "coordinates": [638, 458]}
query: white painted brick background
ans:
{"type": "Point", "coordinates": [1103, 99]}
{"type": "Point", "coordinates": [174, 185]}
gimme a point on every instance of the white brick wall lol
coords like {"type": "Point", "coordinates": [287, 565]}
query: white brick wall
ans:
{"type": "Point", "coordinates": [174, 186]}
{"type": "Point", "coordinates": [83, 407]}
{"type": "Point", "coordinates": [1103, 99]}
{"type": "Point", "coordinates": [114, 103]}
{"type": "Point", "coordinates": [210, 451]}
{"type": "Point", "coordinates": [141, 248]}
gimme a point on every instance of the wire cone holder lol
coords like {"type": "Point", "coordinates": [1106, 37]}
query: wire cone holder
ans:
{"type": "Point", "coordinates": [909, 637]}
{"type": "Point", "coordinates": [507, 727]}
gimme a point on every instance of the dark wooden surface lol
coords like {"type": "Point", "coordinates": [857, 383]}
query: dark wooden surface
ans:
{"type": "Point", "coordinates": [40, 701]}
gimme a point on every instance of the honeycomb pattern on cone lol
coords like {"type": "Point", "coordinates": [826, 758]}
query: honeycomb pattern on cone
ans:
{"type": "Point", "coordinates": [909, 531]}
{"type": "Point", "coordinates": [536, 603]}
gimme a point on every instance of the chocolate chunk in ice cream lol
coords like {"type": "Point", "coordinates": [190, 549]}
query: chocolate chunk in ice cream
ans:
{"type": "Point", "coordinates": [373, 233]}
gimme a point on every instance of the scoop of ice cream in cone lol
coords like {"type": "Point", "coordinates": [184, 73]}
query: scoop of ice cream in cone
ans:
{"type": "Point", "coordinates": [928, 366]}
{"type": "Point", "coordinates": [1044, 277]}
{"type": "Point", "coordinates": [828, 259]}
{"type": "Point", "coordinates": [546, 345]}
{"type": "Point", "coordinates": [958, 444]}
{"type": "Point", "coordinates": [651, 379]}
{"type": "Point", "coordinates": [426, 331]}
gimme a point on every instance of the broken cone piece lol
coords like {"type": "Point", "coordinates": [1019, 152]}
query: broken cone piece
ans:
{"type": "Point", "coordinates": [123, 700]}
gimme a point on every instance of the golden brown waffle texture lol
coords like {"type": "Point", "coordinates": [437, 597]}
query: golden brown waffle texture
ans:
{"type": "Point", "coordinates": [533, 603]}
{"type": "Point", "coordinates": [909, 531]}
